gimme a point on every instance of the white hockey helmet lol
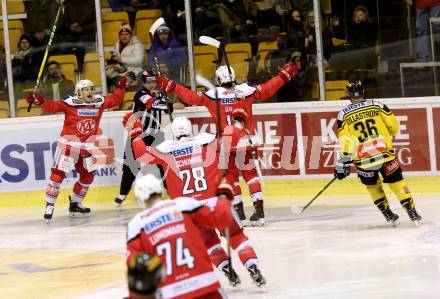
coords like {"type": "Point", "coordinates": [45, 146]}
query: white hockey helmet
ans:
{"type": "Point", "coordinates": [181, 126]}
{"type": "Point", "coordinates": [222, 75]}
{"type": "Point", "coordinates": [146, 186]}
{"type": "Point", "coordinates": [83, 84]}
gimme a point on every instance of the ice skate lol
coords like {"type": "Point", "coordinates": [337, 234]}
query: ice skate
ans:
{"type": "Point", "coordinates": [48, 212]}
{"type": "Point", "coordinates": [231, 275]}
{"type": "Point", "coordinates": [414, 216]}
{"type": "Point", "coordinates": [257, 218]}
{"type": "Point", "coordinates": [78, 210]}
{"type": "Point", "coordinates": [256, 276]}
{"type": "Point", "coordinates": [390, 216]}
{"type": "Point", "coordinates": [119, 201]}
{"type": "Point", "coordinates": [240, 211]}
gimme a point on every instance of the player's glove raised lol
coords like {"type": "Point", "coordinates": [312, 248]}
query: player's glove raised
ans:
{"type": "Point", "coordinates": [165, 84]}
{"type": "Point", "coordinates": [144, 273]}
{"type": "Point", "coordinates": [342, 166]}
{"type": "Point", "coordinates": [289, 71]}
{"type": "Point", "coordinates": [240, 114]}
{"type": "Point", "coordinates": [35, 98]}
{"type": "Point", "coordinates": [132, 124]}
{"type": "Point", "coordinates": [126, 80]}
{"type": "Point", "coordinates": [225, 189]}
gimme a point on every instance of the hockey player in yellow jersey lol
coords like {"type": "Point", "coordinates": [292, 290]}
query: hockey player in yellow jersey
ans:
{"type": "Point", "coordinates": [365, 130]}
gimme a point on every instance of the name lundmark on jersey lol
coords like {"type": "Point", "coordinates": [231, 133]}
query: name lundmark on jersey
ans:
{"type": "Point", "coordinates": [166, 232]}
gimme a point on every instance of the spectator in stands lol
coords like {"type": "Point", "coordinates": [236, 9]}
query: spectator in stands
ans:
{"type": "Point", "coordinates": [270, 20]}
{"type": "Point", "coordinates": [310, 40]}
{"type": "Point", "coordinates": [206, 20]}
{"type": "Point", "coordinates": [295, 37]}
{"type": "Point", "coordinates": [363, 31]}
{"type": "Point", "coordinates": [128, 55]}
{"type": "Point", "coordinates": [425, 9]}
{"type": "Point", "coordinates": [168, 50]}
{"type": "Point", "coordinates": [238, 19]}
{"type": "Point", "coordinates": [40, 16]}
{"type": "Point", "coordinates": [25, 63]}
{"type": "Point", "coordinates": [55, 85]}
{"type": "Point", "coordinates": [78, 28]}
{"type": "Point", "coordinates": [176, 18]}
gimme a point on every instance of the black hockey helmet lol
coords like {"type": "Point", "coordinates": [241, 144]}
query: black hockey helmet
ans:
{"type": "Point", "coordinates": [144, 273]}
{"type": "Point", "coordinates": [355, 89]}
{"type": "Point", "coordinates": [149, 74]}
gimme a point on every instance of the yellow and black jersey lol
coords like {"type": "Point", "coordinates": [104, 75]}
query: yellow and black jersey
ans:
{"type": "Point", "coordinates": [365, 130]}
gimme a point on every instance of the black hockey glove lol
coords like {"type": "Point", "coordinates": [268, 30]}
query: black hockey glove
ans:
{"type": "Point", "coordinates": [342, 166]}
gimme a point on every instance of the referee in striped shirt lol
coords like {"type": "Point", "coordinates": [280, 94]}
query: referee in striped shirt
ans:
{"type": "Point", "coordinates": [151, 103]}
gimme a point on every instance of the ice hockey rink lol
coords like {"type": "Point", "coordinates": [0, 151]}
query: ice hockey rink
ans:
{"type": "Point", "coordinates": [340, 247]}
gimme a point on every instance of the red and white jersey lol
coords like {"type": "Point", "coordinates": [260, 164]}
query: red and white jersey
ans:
{"type": "Point", "coordinates": [242, 96]}
{"type": "Point", "coordinates": [81, 121]}
{"type": "Point", "coordinates": [191, 165]}
{"type": "Point", "coordinates": [170, 229]}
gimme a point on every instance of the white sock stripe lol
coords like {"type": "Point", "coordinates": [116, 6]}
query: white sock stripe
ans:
{"type": "Point", "coordinates": [54, 184]}
{"type": "Point", "coordinates": [257, 196]}
{"type": "Point", "coordinates": [242, 246]}
{"type": "Point", "coordinates": [251, 262]}
{"type": "Point", "coordinates": [222, 264]}
{"type": "Point", "coordinates": [237, 199]}
{"type": "Point", "coordinates": [252, 181]}
{"type": "Point", "coordinates": [237, 184]}
{"type": "Point", "coordinates": [77, 198]}
{"type": "Point", "coordinates": [214, 248]}
{"type": "Point", "coordinates": [84, 185]}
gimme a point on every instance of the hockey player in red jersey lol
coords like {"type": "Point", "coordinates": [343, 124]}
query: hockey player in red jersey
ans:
{"type": "Point", "coordinates": [170, 229]}
{"type": "Point", "coordinates": [191, 165]}
{"type": "Point", "coordinates": [76, 142]}
{"type": "Point", "coordinates": [231, 96]}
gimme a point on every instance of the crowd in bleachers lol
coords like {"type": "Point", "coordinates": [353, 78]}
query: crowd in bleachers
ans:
{"type": "Point", "coordinates": [260, 37]}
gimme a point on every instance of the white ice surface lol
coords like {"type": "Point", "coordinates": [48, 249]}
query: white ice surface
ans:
{"type": "Point", "coordinates": [328, 252]}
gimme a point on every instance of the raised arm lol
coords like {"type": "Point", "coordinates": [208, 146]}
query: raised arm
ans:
{"type": "Point", "coordinates": [186, 95]}
{"type": "Point", "coordinates": [49, 107]}
{"type": "Point", "coordinates": [117, 97]}
{"type": "Point", "coordinates": [268, 89]}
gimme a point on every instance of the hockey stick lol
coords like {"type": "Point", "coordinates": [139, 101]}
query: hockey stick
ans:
{"type": "Point", "coordinates": [254, 154]}
{"type": "Point", "coordinates": [215, 43]}
{"type": "Point", "coordinates": [319, 193]}
{"type": "Point", "coordinates": [208, 84]}
{"type": "Point", "coordinates": [49, 43]}
{"type": "Point", "coordinates": [152, 31]}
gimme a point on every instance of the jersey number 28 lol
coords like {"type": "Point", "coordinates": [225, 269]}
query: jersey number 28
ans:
{"type": "Point", "coordinates": [197, 175]}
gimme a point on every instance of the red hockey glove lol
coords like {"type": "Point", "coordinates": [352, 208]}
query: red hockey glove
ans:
{"type": "Point", "coordinates": [126, 80]}
{"type": "Point", "coordinates": [165, 84]}
{"type": "Point", "coordinates": [289, 71]}
{"type": "Point", "coordinates": [132, 124]}
{"type": "Point", "coordinates": [240, 114]}
{"type": "Point", "coordinates": [35, 98]}
{"type": "Point", "coordinates": [225, 189]}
